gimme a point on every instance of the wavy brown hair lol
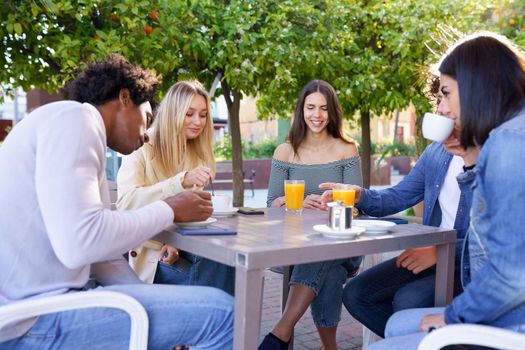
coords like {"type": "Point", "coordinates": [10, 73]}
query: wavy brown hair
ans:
{"type": "Point", "coordinates": [335, 128]}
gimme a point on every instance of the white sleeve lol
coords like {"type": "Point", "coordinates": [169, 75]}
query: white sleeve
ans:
{"type": "Point", "coordinates": [115, 271]}
{"type": "Point", "coordinates": [70, 161]}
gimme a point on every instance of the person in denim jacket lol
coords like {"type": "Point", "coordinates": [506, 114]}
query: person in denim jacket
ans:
{"type": "Point", "coordinates": [483, 89]}
{"type": "Point", "coordinates": [375, 294]}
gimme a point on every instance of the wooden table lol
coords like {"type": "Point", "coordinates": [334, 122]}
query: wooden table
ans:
{"type": "Point", "coordinates": [282, 239]}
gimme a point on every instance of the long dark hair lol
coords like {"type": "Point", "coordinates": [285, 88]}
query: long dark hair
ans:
{"type": "Point", "coordinates": [491, 80]}
{"type": "Point", "coordinates": [335, 114]}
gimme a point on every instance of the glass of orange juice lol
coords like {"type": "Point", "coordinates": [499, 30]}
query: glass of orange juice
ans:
{"type": "Point", "coordinates": [294, 195]}
{"type": "Point", "coordinates": [345, 193]}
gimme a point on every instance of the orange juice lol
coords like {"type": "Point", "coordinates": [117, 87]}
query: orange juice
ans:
{"type": "Point", "coordinates": [345, 195]}
{"type": "Point", "coordinates": [294, 195]}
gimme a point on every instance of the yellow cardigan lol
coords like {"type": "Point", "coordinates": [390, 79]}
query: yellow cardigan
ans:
{"type": "Point", "coordinates": [139, 184]}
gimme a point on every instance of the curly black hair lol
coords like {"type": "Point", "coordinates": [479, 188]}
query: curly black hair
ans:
{"type": "Point", "coordinates": [102, 81]}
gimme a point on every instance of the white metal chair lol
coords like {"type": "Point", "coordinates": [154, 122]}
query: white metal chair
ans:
{"type": "Point", "coordinates": [471, 334]}
{"type": "Point", "coordinates": [30, 308]}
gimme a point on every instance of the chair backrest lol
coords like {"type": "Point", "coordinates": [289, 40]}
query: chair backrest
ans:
{"type": "Point", "coordinates": [224, 167]}
{"type": "Point", "coordinates": [473, 334]}
{"type": "Point", "coordinates": [25, 309]}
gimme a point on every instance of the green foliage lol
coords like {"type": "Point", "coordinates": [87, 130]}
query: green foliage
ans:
{"type": "Point", "coordinates": [395, 149]}
{"type": "Point", "coordinates": [372, 51]}
{"type": "Point", "coordinates": [223, 149]}
{"type": "Point", "coordinates": [508, 19]}
{"type": "Point", "coordinates": [263, 149]}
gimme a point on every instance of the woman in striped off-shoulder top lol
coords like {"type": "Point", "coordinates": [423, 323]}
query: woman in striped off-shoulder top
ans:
{"type": "Point", "coordinates": [317, 151]}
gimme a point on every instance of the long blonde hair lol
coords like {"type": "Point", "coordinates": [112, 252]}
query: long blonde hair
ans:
{"type": "Point", "coordinates": [172, 151]}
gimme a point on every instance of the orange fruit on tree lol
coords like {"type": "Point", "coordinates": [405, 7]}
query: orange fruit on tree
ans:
{"type": "Point", "coordinates": [148, 29]}
{"type": "Point", "coordinates": [154, 15]}
{"type": "Point", "coordinates": [512, 21]}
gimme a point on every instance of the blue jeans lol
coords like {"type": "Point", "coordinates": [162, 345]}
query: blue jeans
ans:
{"type": "Point", "coordinates": [195, 270]}
{"type": "Point", "coordinates": [375, 294]}
{"type": "Point", "coordinates": [326, 279]}
{"type": "Point", "coordinates": [200, 317]}
{"type": "Point", "coordinates": [402, 330]}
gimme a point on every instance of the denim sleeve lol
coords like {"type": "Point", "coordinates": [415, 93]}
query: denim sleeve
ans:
{"type": "Point", "coordinates": [405, 194]}
{"type": "Point", "coordinates": [278, 174]}
{"type": "Point", "coordinates": [499, 285]}
{"type": "Point", "coordinates": [466, 185]}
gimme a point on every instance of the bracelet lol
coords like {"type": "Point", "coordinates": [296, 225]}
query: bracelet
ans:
{"type": "Point", "coordinates": [470, 167]}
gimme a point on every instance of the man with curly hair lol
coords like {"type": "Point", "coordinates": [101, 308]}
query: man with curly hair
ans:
{"type": "Point", "coordinates": [57, 228]}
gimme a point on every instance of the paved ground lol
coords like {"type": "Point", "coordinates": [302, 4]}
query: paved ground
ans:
{"type": "Point", "coordinates": [349, 333]}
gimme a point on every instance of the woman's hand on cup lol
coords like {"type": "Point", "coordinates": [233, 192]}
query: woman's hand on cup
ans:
{"type": "Point", "coordinates": [201, 176]}
{"type": "Point", "coordinates": [327, 196]}
{"type": "Point", "coordinates": [314, 201]}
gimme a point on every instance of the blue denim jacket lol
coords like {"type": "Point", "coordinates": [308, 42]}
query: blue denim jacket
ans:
{"type": "Point", "coordinates": [496, 236]}
{"type": "Point", "coordinates": [423, 182]}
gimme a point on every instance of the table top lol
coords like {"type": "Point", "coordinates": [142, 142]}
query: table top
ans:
{"type": "Point", "coordinates": [282, 238]}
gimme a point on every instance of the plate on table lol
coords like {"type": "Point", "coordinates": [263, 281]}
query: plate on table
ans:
{"type": "Point", "coordinates": [328, 232]}
{"type": "Point", "coordinates": [224, 212]}
{"type": "Point", "coordinates": [196, 224]}
{"type": "Point", "coordinates": [375, 227]}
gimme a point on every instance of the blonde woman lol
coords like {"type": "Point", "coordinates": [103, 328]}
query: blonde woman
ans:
{"type": "Point", "coordinates": [177, 157]}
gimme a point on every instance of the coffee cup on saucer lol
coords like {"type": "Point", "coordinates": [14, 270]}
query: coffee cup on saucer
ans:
{"type": "Point", "coordinates": [221, 202]}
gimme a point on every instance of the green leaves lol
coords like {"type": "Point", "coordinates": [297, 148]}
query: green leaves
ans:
{"type": "Point", "coordinates": [373, 52]}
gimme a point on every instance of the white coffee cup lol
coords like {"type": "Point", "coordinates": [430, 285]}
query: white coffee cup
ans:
{"type": "Point", "coordinates": [220, 201]}
{"type": "Point", "coordinates": [437, 127]}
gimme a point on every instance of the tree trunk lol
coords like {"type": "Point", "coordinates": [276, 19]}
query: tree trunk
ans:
{"type": "Point", "coordinates": [365, 148]}
{"type": "Point", "coordinates": [235, 134]}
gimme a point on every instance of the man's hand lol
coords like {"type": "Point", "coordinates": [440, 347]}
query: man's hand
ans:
{"type": "Point", "coordinates": [190, 206]}
{"type": "Point", "coordinates": [433, 321]}
{"type": "Point", "coordinates": [417, 259]}
{"type": "Point", "coordinates": [314, 201]}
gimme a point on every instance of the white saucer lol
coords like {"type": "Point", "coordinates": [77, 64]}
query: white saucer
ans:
{"type": "Point", "coordinates": [328, 232]}
{"type": "Point", "coordinates": [224, 212]}
{"type": "Point", "coordinates": [196, 224]}
{"type": "Point", "coordinates": [375, 227]}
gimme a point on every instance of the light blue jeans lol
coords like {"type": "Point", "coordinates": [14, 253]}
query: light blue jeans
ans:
{"type": "Point", "coordinates": [326, 279]}
{"type": "Point", "coordinates": [201, 317]}
{"type": "Point", "coordinates": [402, 329]}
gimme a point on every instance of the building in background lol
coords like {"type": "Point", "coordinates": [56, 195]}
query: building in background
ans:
{"type": "Point", "coordinates": [12, 109]}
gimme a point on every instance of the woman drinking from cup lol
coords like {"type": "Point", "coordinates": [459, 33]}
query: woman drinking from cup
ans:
{"type": "Point", "coordinates": [483, 90]}
{"type": "Point", "coordinates": [317, 151]}
{"type": "Point", "coordinates": [178, 157]}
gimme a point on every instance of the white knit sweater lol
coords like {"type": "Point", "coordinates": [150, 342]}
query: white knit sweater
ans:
{"type": "Point", "coordinates": [55, 221]}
